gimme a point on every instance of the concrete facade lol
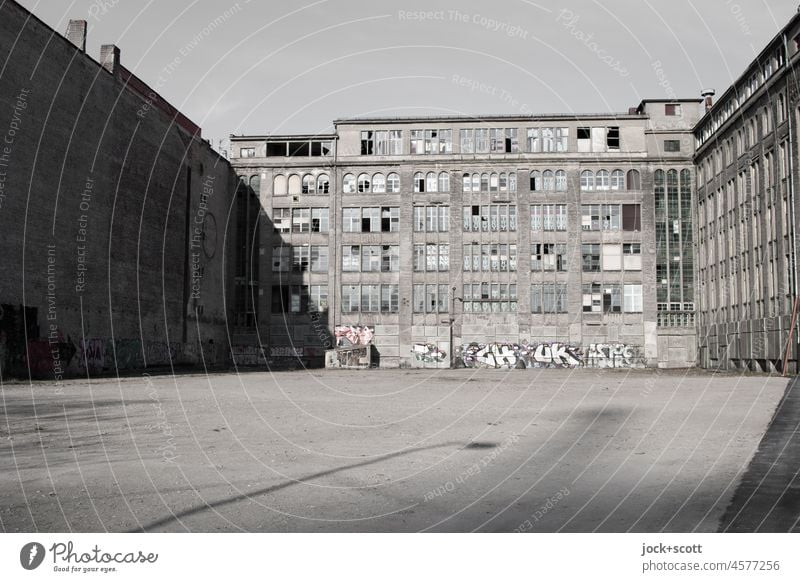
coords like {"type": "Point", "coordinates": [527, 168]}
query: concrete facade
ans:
{"type": "Point", "coordinates": [747, 164]}
{"type": "Point", "coordinates": [113, 214]}
{"type": "Point", "coordinates": [534, 236]}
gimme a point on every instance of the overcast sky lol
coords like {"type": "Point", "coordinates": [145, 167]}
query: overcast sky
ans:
{"type": "Point", "coordinates": [279, 67]}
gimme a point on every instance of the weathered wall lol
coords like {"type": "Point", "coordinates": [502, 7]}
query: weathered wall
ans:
{"type": "Point", "coordinates": [112, 217]}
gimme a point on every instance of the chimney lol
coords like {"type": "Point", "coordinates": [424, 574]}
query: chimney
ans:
{"type": "Point", "coordinates": [76, 34]}
{"type": "Point", "coordinates": [109, 58]}
{"type": "Point", "coordinates": [708, 96]}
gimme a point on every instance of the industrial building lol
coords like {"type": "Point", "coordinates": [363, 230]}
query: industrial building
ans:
{"type": "Point", "coordinates": [510, 241]}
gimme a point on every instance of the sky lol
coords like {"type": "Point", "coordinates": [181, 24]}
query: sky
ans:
{"type": "Point", "coordinates": [272, 67]}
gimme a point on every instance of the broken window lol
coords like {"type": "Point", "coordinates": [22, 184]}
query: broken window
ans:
{"type": "Point", "coordinates": [319, 220]}
{"type": "Point", "coordinates": [590, 254]}
{"type": "Point", "coordinates": [281, 259]}
{"type": "Point", "coordinates": [584, 139]}
{"type": "Point", "coordinates": [612, 138]}
{"type": "Point", "coordinates": [549, 298]}
{"type": "Point", "coordinates": [282, 219]}
{"type": "Point", "coordinates": [247, 152]}
{"type": "Point", "coordinates": [349, 184]}
{"type": "Point", "coordinates": [301, 220]}
{"type": "Point", "coordinates": [367, 143]}
{"type": "Point", "coordinates": [419, 182]}
{"type": "Point", "coordinates": [672, 109]}
{"type": "Point", "coordinates": [323, 184]}
{"type": "Point", "coordinates": [351, 258]}
{"type": "Point", "coordinates": [632, 256]}
{"type": "Point", "coordinates": [363, 183]}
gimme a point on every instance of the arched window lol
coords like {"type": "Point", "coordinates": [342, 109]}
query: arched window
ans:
{"type": "Point", "coordinates": [561, 181]}
{"type": "Point", "coordinates": [349, 184]}
{"type": "Point", "coordinates": [587, 180]}
{"type": "Point", "coordinates": [512, 181]}
{"type": "Point", "coordinates": [430, 182]}
{"type": "Point", "coordinates": [503, 182]}
{"type": "Point", "coordinates": [308, 184]}
{"type": "Point", "coordinates": [467, 185]}
{"type": "Point", "coordinates": [493, 183]}
{"type": "Point", "coordinates": [295, 184]}
{"type": "Point", "coordinates": [379, 183]}
{"type": "Point", "coordinates": [617, 180]}
{"type": "Point", "coordinates": [280, 186]}
{"type": "Point", "coordinates": [476, 183]}
{"type": "Point", "coordinates": [363, 183]}
{"type": "Point", "coordinates": [634, 180]}
{"type": "Point", "coordinates": [419, 182]}
{"type": "Point", "coordinates": [393, 183]}
{"type": "Point", "coordinates": [255, 183]}
{"type": "Point", "coordinates": [536, 181]}
{"type": "Point", "coordinates": [484, 183]}
{"type": "Point", "coordinates": [323, 184]}
{"type": "Point", "coordinates": [444, 182]}
{"type": "Point", "coordinates": [601, 180]}
{"type": "Point", "coordinates": [548, 180]}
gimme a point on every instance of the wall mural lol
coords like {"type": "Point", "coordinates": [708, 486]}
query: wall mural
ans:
{"type": "Point", "coordinates": [428, 353]}
{"type": "Point", "coordinates": [547, 355]}
{"type": "Point", "coordinates": [353, 335]}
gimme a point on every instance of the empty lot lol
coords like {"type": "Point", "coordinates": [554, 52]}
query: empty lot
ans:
{"type": "Point", "coordinates": [383, 450]}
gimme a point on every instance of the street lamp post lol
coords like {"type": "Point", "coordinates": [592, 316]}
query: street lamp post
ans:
{"type": "Point", "coordinates": [452, 321]}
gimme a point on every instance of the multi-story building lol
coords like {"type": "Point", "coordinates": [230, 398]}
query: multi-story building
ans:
{"type": "Point", "coordinates": [747, 251]}
{"type": "Point", "coordinates": [555, 240]}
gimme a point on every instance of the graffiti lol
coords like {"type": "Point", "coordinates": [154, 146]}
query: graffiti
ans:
{"type": "Point", "coordinates": [613, 356]}
{"type": "Point", "coordinates": [161, 354]}
{"type": "Point", "coordinates": [48, 358]}
{"type": "Point", "coordinates": [354, 335]}
{"type": "Point", "coordinates": [92, 354]}
{"type": "Point", "coordinates": [285, 352]}
{"type": "Point", "coordinates": [248, 356]}
{"type": "Point", "coordinates": [124, 354]}
{"type": "Point", "coordinates": [511, 355]}
{"type": "Point", "coordinates": [351, 357]}
{"type": "Point", "coordinates": [549, 355]}
{"type": "Point", "coordinates": [428, 353]}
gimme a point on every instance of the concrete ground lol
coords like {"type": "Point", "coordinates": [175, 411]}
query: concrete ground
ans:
{"type": "Point", "coordinates": [382, 450]}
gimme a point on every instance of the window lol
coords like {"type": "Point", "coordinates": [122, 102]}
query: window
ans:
{"type": "Point", "coordinates": [444, 182]}
{"type": "Point", "coordinates": [547, 139]}
{"type": "Point", "coordinates": [367, 143]}
{"type": "Point", "coordinates": [387, 143]}
{"type": "Point", "coordinates": [617, 180]}
{"type": "Point", "coordinates": [282, 219]}
{"type": "Point", "coordinates": [431, 218]}
{"type": "Point", "coordinates": [417, 141]}
{"type": "Point", "coordinates": [612, 138]}
{"type": "Point", "coordinates": [590, 254]}
{"type": "Point", "coordinates": [536, 181]}
{"type": "Point", "coordinates": [430, 298]}
{"type": "Point", "coordinates": [383, 219]}
{"type": "Point", "coordinates": [672, 109]}
{"type": "Point", "coordinates": [631, 217]}
{"type": "Point", "coordinates": [431, 257]}
{"type": "Point", "coordinates": [317, 297]}
{"type": "Point", "coordinates": [393, 183]}
{"type": "Point", "coordinates": [503, 140]}
{"type": "Point", "coordinates": [584, 139]}
{"type": "Point", "coordinates": [281, 259]}
{"type": "Point", "coordinates": [534, 141]}
{"type": "Point", "coordinates": [375, 258]}
{"type": "Point", "coordinates": [301, 220]}
{"type": "Point", "coordinates": [299, 298]}
{"type": "Point", "coordinates": [363, 183]}
{"type": "Point", "coordinates": [323, 184]}
{"type": "Point", "coordinates": [633, 298]}
{"type": "Point", "coordinates": [602, 298]}
{"type": "Point", "coordinates": [632, 256]}
{"type": "Point", "coordinates": [295, 184]}
{"type": "Point", "coordinates": [370, 298]}
{"type": "Point", "coordinates": [490, 257]}
{"type": "Point", "coordinates": [561, 181]}
{"type": "Point", "coordinates": [419, 182]}
{"type": "Point", "coordinates": [612, 257]}
{"type": "Point", "coordinates": [379, 183]}
{"type": "Point", "coordinates": [587, 180]}
{"type": "Point", "coordinates": [349, 184]}
{"type": "Point", "coordinates": [548, 181]}
{"type": "Point", "coordinates": [549, 217]}
{"type": "Point", "coordinates": [490, 217]}
{"type": "Point", "coordinates": [431, 182]}
{"type": "Point", "coordinates": [435, 141]}
{"type": "Point", "coordinates": [247, 152]}
{"type": "Point", "coordinates": [562, 139]}
{"type": "Point", "coordinates": [280, 185]}
{"type": "Point", "coordinates": [319, 220]}
{"type": "Point", "coordinates": [634, 180]}
{"type": "Point", "coordinates": [490, 297]}
{"type": "Point", "coordinates": [319, 259]}
{"type": "Point", "coordinates": [548, 257]}
{"type": "Point", "coordinates": [672, 145]}
{"type": "Point", "coordinates": [549, 298]}
{"type": "Point", "coordinates": [351, 258]}
{"type": "Point", "coordinates": [601, 180]}
{"type": "Point", "coordinates": [351, 219]}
